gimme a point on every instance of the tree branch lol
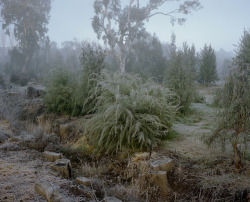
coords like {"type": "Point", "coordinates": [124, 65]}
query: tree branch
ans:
{"type": "Point", "coordinates": [166, 14]}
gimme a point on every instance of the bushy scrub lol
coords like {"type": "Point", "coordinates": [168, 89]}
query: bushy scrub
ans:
{"type": "Point", "coordinates": [129, 113]}
{"type": "Point", "coordinates": [93, 61]}
{"type": "Point", "coordinates": [67, 91]}
{"type": "Point", "coordinates": [60, 91]}
{"type": "Point", "coordinates": [180, 75]}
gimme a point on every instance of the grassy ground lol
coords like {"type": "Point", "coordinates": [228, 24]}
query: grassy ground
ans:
{"type": "Point", "coordinates": [210, 170]}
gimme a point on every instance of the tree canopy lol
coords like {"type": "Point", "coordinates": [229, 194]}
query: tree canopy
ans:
{"type": "Point", "coordinates": [119, 25]}
{"type": "Point", "coordinates": [29, 20]}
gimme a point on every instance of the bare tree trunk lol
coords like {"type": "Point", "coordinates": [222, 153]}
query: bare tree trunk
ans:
{"type": "Point", "coordinates": [236, 158]}
{"type": "Point", "coordinates": [122, 60]}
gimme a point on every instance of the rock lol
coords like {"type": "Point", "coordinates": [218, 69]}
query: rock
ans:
{"type": "Point", "coordinates": [31, 109]}
{"type": "Point", "coordinates": [83, 142]}
{"type": "Point", "coordinates": [50, 192]}
{"type": "Point", "coordinates": [142, 156]}
{"type": "Point", "coordinates": [83, 180]}
{"type": "Point", "coordinates": [3, 137]}
{"type": "Point", "coordinates": [51, 156]}
{"type": "Point", "coordinates": [9, 147]}
{"type": "Point", "coordinates": [64, 167]}
{"type": "Point", "coordinates": [67, 131]}
{"type": "Point", "coordinates": [111, 199]}
{"type": "Point", "coordinates": [159, 178]}
{"type": "Point", "coordinates": [26, 137]}
{"type": "Point", "coordinates": [165, 164]}
{"type": "Point", "coordinates": [34, 93]}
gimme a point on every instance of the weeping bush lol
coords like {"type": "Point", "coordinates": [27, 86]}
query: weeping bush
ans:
{"type": "Point", "coordinates": [129, 113]}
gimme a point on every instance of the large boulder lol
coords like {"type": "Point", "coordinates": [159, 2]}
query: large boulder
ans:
{"type": "Point", "coordinates": [64, 167]}
{"type": "Point", "coordinates": [51, 156]}
{"type": "Point", "coordinates": [83, 180]}
{"type": "Point", "coordinates": [142, 156]}
{"type": "Point", "coordinates": [3, 137]}
{"type": "Point", "coordinates": [50, 192]}
{"type": "Point", "coordinates": [8, 146]}
{"type": "Point", "coordinates": [165, 164]}
{"type": "Point", "coordinates": [34, 92]}
{"type": "Point", "coordinates": [69, 131]}
{"type": "Point", "coordinates": [159, 178]}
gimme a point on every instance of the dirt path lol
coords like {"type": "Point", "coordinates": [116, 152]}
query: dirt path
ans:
{"type": "Point", "coordinates": [192, 131]}
{"type": "Point", "coordinates": [18, 172]}
{"type": "Point", "coordinates": [21, 168]}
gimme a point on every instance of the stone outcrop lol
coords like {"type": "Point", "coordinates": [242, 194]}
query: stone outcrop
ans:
{"type": "Point", "coordinates": [50, 192]}
{"type": "Point", "coordinates": [84, 181]}
{"type": "Point", "coordinates": [165, 164]}
{"type": "Point", "coordinates": [143, 156]}
{"type": "Point", "coordinates": [159, 178]}
{"type": "Point", "coordinates": [3, 137]}
{"type": "Point", "coordinates": [51, 156]}
{"type": "Point", "coordinates": [34, 92]}
{"type": "Point", "coordinates": [64, 167]}
{"type": "Point", "coordinates": [8, 146]}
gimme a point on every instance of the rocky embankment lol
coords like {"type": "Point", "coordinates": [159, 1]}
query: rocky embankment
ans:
{"type": "Point", "coordinates": [32, 167]}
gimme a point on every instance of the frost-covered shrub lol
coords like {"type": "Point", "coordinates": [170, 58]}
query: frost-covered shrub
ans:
{"type": "Point", "coordinates": [129, 113]}
{"type": "Point", "coordinates": [67, 91]}
{"type": "Point", "coordinates": [59, 92]}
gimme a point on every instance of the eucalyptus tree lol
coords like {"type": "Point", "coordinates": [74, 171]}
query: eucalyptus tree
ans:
{"type": "Point", "coordinates": [234, 120]}
{"type": "Point", "coordinates": [118, 25]}
{"type": "Point", "coordinates": [29, 20]}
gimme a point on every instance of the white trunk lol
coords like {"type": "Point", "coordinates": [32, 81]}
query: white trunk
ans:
{"type": "Point", "coordinates": [122, 60]}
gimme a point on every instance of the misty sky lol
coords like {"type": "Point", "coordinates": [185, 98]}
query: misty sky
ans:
{"type": "Point", "coordinates": [219, 23]}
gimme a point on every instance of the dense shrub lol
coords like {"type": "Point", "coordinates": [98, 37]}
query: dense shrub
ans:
{"type": "Point", "coordinates": [59, 92]}
{"type": "Point", "coordinates": [67, 91]}
{"type": "Point", "coordinates": [180, 75]}
{"type": "Point", "coordinates": [129, 113]}
{"type": "Point", "coordinates": [93, 61]}
{"type": "Point", "coordinates": [19, 78]}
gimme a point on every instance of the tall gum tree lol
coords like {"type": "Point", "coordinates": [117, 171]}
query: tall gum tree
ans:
{"type": "Point", "coordinates": [29, 19]}
{"type": "Point", "coordinates": [119, 25]}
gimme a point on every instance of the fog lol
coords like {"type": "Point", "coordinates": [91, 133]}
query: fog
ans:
{"type": "Point", "coordinates": [124, 100]}
{"type": "Point", "coordinates": [219, 23]}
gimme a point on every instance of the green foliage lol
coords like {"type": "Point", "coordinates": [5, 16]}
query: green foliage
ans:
{"type": "Point", "coordinates": [68, 91]}
{"type": "Point", "coordinates": [234, 119]}
{"type": "Point", "coordinates": [208, 73]}
{"type": "Point", "coordinates": [198, 98]}
{"type": "Point", "coordinates": [129, 113]}
{"type": "Point", "coordinates": [20, 79]}
{"type": "Point", "coordinates": [180, 74]}
{"type": "Point", "coordinates": [93, 61]}
{"type": "Point", "coordinates": [60, 90]}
